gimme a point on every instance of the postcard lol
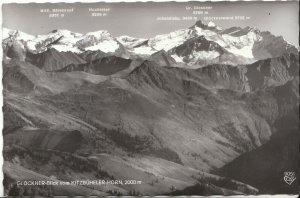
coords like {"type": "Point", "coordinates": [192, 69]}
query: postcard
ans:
{"type": "Point", "coordinates": [150, 98]}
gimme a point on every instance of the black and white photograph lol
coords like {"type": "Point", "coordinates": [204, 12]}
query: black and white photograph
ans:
{"type": "Point", "coordinates": [150, 98]}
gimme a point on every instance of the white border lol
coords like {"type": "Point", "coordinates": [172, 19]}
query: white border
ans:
{"type": "Point", "coordinates": [117, 1]}
{"type": "Point", "coordinates": [108, 1]}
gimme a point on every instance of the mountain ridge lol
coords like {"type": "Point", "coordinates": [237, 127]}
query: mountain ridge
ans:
{"type": "Point", "coordinates": [244, 44]}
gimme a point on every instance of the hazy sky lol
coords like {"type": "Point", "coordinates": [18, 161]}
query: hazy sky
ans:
{"type": "Point", "coordinates": [140, 19]}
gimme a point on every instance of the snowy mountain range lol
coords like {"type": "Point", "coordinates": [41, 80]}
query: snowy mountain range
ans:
{"type": "Point", "coordinates": [197, 46]}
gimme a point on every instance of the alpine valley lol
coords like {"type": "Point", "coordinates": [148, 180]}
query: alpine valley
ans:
{"type": "Point", "coordinates": [198, 111]}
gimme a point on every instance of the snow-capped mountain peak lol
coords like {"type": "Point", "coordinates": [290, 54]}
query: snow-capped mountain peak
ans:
{"type": "Point", "coordinates": [65, 33]}
{"type": "Point", "coordinates": [16, 34]}
{"type": "Point", "coordinates": [64, 40]}
{"type": "Point", "coordinates": [211, 24]}
{"type": "Point", "coordinates": [100, 34]}
{"type": "Point", "coordinates": [130, 42]}
{"type": "Point", "coordinates": [207, 26]}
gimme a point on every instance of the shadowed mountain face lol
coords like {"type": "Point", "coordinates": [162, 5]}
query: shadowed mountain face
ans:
{"type": "Point", "coordinates": [273, 71]}
{"type": "Point", "coordinates": [52, 60]}
{"type": "Point", "coordinates": [90, 56]}
{"type": "Point", "coordinates": [197, 50]}
{"type": "Point", "coordinates": [265, 166]}
{"type": "Point", "coordinates": [103, 66]}
{"type": "Point", "coordinates": [272, 46]}
{"type": "Point", "coordinates": [163, 58]}
{"type": "Point", "coordinates": [197, 44]}
{"type": "Point", "coordinates": [173, 126]}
